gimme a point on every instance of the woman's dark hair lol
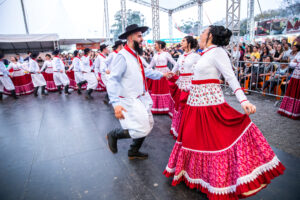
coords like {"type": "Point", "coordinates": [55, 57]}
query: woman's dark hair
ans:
{"type": "Point", "coordinates": [162, 44]}
{"type": "Point", "coordinates": [48, 55]}
{"type": "Point", "coordinates": [75, 53]}
{"type": "Point", "coordinates": [16, 58]}
{"type": "Point", "coordinates": [296, 43]}
{"type": "Point", "coordinates": [220, 35]}
{"type": "Point", "coordinates": [263, 51]}
{"type": "Point", "coordinates": [191, 41]}
{"type": "Point", "coordinates": [271, 58]}
{"type": "Point", "coordinates": [86, 51]}
{"type": "Point", "coordinates": [251, 48]}
{"type": "Point", "coordinates": [34, 55]}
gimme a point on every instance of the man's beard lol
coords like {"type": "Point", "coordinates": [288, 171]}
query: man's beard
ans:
{"type": "Point", "coordinates": [137, 48]}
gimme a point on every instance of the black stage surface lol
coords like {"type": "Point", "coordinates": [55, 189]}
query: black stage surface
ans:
{"type": "Point", "coordinates": [54, 147]}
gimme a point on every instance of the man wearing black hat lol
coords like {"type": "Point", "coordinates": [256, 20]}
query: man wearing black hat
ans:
{"type": "Point", "coordinates": [128, 92]}
{"type": "Point", "coordinates": [118, 46]}
{"type": "Point", "coordinates": [59, 76]}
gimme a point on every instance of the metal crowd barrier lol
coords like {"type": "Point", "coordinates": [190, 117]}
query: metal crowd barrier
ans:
{"type": "Point", "coordinates": [261, 77]}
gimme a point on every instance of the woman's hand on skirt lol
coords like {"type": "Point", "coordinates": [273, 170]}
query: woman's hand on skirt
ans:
{"type": "Point", "coordinates": [119, 113]}
{"type": "Point", "coordinates": [249, 108]}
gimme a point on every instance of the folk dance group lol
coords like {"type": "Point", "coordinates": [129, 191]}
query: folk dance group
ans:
{"type": "Point", "coordinates": [218, 150]}
{"type": "Point", "coordinates": [19, 79]}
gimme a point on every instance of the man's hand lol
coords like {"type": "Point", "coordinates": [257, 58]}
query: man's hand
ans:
{"type": "Point", "coordinates": [98, 78]}
{"type": "Point", "coordinates": [61, 71]}
{"type": "Point", "coordinates": [248, 108]}
{"type": "Point", "coordinates": [107, 71]}
{"type": "Point", "coordinates": [118, 112]}
{"type": "Point", "coordinates": [168, 75]}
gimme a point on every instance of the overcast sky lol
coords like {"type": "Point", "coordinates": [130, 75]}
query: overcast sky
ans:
{"type": "Point", "coordinates": [78, 18]}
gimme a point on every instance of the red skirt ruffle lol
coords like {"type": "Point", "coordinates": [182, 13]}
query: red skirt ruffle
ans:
{"type": "Point", "coordinates": [71, 77]}
{"type": "Point", "coordinates": [290, 105]}
{"type": "Point", "coordinates": [23, 84]}
{"type": "Point", "coordinates": [221, 152]}
{"type": "Point", "coordinates": [101, 86]}
{"type": "Point", "coordinates": [50, 82]}
{"type": "Point", "coordinates": [161, 97]}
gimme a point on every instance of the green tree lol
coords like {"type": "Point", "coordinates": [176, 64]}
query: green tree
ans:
{"type": "Point", "coordinates": [133, 17]}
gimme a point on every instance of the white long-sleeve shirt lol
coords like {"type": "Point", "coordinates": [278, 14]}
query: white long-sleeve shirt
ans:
{"type": "Point", "coordinates": [76, 66]}
{"type": "Point", "coordinates": [100, 65]}
{"type": "Point", "coordinates": [85, 64]}
{"type": "Point", "coordinates": [47, 64]}
{"type": "Point", "coordinates": [57, 64]}
{"type": "Point", "coordinates": [212, 64]}
{"type": "Point", "coordinates": [186, 62]}
{"type": "Point", "coordinates": [161, 59]}
{"type": "Point", "coordinates": [33, 66]}
{"type": "Point", "coordinates": [17, 69]}
{"type": "Point", "coordinates": [3, 70]}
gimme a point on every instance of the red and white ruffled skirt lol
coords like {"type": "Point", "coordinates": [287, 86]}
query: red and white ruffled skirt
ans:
{"type": "Point", "coordinates": [71, 77]}
{"type": "Point", "coordinates": [219, 151]}
{"type": "Point", "coordinates": [23, 84]}
{"type": "Point", "coordinates": [179, 95]}
{"type": "Point", "coordinates": [160, 94]}
{"type": "Point", "coordinates": [290, 105]}
{"type": "Point", "coordinates": [50, 86]}
{"type": "Point", "coordinates": [101, 86]}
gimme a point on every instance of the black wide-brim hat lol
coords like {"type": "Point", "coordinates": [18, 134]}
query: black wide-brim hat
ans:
{"type": "Point", "coordinates": [117, 43]}
{"type": "Point", "coordinates": [132, 29]}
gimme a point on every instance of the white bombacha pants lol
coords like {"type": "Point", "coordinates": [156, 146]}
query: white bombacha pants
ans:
{"type": "Point", "coordinates": [138, 118]}
{"type": "Point", "coordinates": [6, 82]}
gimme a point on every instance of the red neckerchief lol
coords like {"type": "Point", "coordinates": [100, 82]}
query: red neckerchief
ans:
{"type": "Point", "coordinates": [207, 50]}
{"type": "Point", "coordinates": [91, 63]}
{"type": "Point", "coordinates": [140, 63]}
{"type": "Point", "coordinates": [116, 51]}
{"type": "Point", "coordinates": [102, 55]}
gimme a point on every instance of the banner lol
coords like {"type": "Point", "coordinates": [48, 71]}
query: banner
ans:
{"type": "Point", "coordinates": [278, 26]}
{"type": "Point", "coordinates": [293, 25]}
{"type": "Point", "coordinates": [263, 28]}
{"type": "Point", "coordinates": [81, 46]}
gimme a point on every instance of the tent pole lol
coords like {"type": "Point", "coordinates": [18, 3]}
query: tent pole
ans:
{"type": "Point", "coordinates": [24, 17]}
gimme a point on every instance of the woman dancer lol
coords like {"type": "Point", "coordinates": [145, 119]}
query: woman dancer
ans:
{"type": "Point", "coordinates": [290, 105]}
{"type": "Point", "coordinates": [159, 89]}
{"type": "Point", "coordinates": [22, 82]}
{"type": "Point", "coordinates": [180, 89]}
{"type": "Point", "coordinates": [219, 150]}
{"type": "Point", "coordinates": [47, 71]}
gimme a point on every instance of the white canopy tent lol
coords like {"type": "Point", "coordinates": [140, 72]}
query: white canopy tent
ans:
{"type": "Point", "coordinates": [19, 43]}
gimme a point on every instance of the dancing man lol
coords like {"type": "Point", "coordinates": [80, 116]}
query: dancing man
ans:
{"type": "Point", "coordinates": [59, 75]}
{"type": "Point", "coordinates": [128, 93]}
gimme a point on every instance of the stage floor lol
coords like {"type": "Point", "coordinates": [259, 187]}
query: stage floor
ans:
{"type": "Point", "coordinates": [54, 147]}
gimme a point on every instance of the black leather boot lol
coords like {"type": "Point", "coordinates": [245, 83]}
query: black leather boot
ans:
{"type": "Point", "coordinates": [134, 153]}
{"type": "Point", "coordinates": [44, 90]}
{"type": "Point", "coordinates": [59, 89]}
{"type": "Point", "coordinates": [1, 96]}
{"type": "Point", "coordinates": [89, 94]}
{"type": "Point", "coordinates": [13, 94]}
{"type": "Point", "coordinates": [67, 90]}
{"type": "Point", "coordinates": [106, 99]}
{"type": "Point", "coordinates": [79, 87]}
{"type": "Point", "coordinates": [36, 91]}
{"type": "Point", "coordinates": [113, 136]}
